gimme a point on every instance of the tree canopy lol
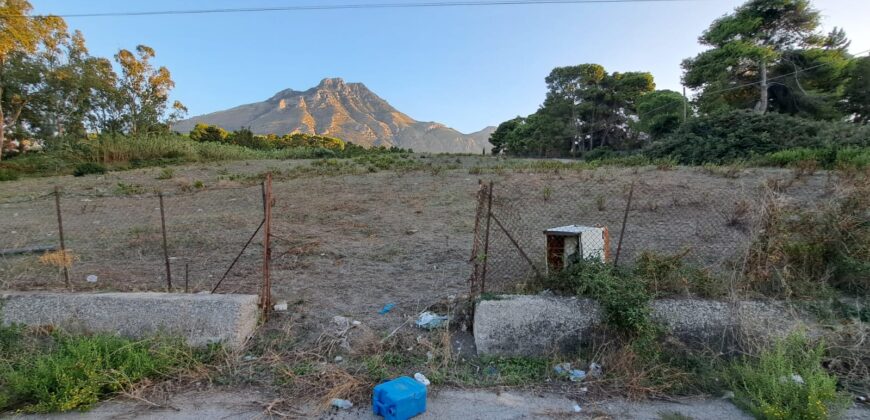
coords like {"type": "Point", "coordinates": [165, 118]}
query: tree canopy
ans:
{"type": "Point", "coordinates": [51, 87]}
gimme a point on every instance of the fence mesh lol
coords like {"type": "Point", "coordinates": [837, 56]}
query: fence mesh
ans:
{"type": "Point", "coordinates": [708, 231]}
{"type": "Point", "coordinates": [115, 240]}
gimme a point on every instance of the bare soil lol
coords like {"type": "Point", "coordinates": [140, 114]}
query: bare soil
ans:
{"type": "Point", "coordinates": [348, 244]}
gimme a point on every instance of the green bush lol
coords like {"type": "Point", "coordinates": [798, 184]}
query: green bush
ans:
{"type": "Point", "coordinates": [622, 295]}
{"type": "Point", "coordinates": [786, 382]}
{"type": "Point", "coordinates": [89, 168]}
{"type": "Point", "coordinates": [8, 175]}
{"type": "Point", "coordinates": [738, 135]}
{"type": "Point", "coordinates": [62, 372]}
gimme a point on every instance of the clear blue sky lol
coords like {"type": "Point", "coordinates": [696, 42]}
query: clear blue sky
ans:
{"type": "Point", "coordinates": [467, 67]}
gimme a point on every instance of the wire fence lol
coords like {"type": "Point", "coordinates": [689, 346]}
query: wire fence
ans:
{"type": "Point", "coordinates": [527, 228]}
{"type": "Point", "coordinates": [136, 241]}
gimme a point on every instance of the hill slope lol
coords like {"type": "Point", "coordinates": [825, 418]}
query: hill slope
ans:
{"type": "Point", "coordinates": [349, 111]}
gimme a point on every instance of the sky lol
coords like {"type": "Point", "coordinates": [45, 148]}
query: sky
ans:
{"type": "Point", "coordinates": [466, 67]}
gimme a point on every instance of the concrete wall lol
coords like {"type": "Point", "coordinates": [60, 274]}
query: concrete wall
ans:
{"type": "Point", "coordinates": [542, 325]}
{"type": "Point", "coordinates": [199, 318]}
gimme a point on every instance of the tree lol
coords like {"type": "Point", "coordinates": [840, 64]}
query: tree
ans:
{"type": "Point", "coordinates": [585, 108]}
{"type": "Point", "coordinates": [759, 55]}
{"type": "Point", "coordinates": [599, 105]}
{"type": "Point", "coordinates": [20, 36]}
{"type": "Point", "coordinates": [856, 93]}
{"type": "Point", "coordinates": [205, 132]}
{"type": "Point", "coordinates": [660, 112]}
{"type": "Point", "coordinates": [144, 92]}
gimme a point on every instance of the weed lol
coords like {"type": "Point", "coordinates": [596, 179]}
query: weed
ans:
{"type": "Point", "coordinates": [198, 184]}
{"type": "Point", "coordinates": [89, 168]}
{"type": "Point", "coordinates": [673, 415]}
{"type": "Point", "coordinates": [547, 192]}
{"type": "Point", "coordinates": [786, 381]}
{"type": "Point", "coordinates": [58, 259]}
{"type": "Point", "coordinates": [669, 275]}
{"type": "Point", "coordinates": [600, 202]}
{"type": "Point", "coordinates": [62, 372]}
{"type": "Point", "coordinates": [129, 189]}
{"type": "Point", "coordinates": [8, 175]}
{"type": "Point", "coordinates": [166, 173]}
{"type": "Point", "coordinates": [623, 296]}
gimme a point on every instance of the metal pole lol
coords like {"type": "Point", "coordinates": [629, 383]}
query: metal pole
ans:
{"type": "Point", "coordinates": [624, 220]}
{"type": "Point", "coordinates": [685, 105]}
{"type": "Point", "coordinates": [165, 245]}
{"type": "Point", "coordinates": [486, 240]}
{"type": "Point", "coordinates": [186, 277]}
{"type": "Point", "coordinates": [62, 242]}
{"type": "Point", "coordinates": [266, 292]}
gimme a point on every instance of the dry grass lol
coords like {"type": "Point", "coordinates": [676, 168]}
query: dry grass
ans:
{"type": "Point", "coordinates": [59, 259]}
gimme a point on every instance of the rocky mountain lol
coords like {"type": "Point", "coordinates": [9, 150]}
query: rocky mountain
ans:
{"type": "Point", "coordinates": [349, 111]}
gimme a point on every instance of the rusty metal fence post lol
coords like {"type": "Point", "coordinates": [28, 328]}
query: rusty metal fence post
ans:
{"type": "Point", "coordinates": [266, 291]}
{"type": "Point", "coordinates": [486, 238]}
{"type": "Point", "coordinates": [165, 244]}
{"type": "Point", "coordinates": [66, 259]}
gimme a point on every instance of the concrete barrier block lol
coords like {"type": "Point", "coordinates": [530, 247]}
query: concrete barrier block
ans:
{"type": "Point", "coordinates": [532, 325]}
{"type": "Point", "coordinates": [200, 319]}
{"type": "Point", "coordinates": [540, 325]}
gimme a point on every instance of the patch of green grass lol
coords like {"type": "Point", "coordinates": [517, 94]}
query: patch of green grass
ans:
{"type": "Point", "coordinates": [129, 189]}
{"type": "Point", "coordinates": [8, 175]}
{"type": "Point", "coordinates": [622, 295]}
{"type": "Point", "coordinates": [515, 370]}
{"type": "Point", "coordinates": [787, 381]}
{"type": "Point", "coordinates": [62, 372]}
{"type": "Point", "coordinates": [166, 173]}
{"type": "Point", "coordinates": [89, 168]}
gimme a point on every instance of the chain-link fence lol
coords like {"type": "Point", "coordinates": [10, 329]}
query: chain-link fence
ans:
{"type": "Point", "coordinates": [528, 227]}
{"type": "Point", "coordinates": [114, 240]}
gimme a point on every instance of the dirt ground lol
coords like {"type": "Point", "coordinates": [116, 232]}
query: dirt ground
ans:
{"type": "Point", "coordinates": [349, 244]}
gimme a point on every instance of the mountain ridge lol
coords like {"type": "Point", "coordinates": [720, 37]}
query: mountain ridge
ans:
{"type": "Point", "coordinates": [349, 111]}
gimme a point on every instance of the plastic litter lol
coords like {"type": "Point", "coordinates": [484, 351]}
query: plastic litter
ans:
{"type": "Point", "coordinates": [419, 377]}
{"type": "Point", "coordinates": [595, 370]}
{"type": "Point", "coordinates": [575, 375]}
{"type": "Point", "coordinates": [429, 320]}
{"type": "Point", "coordinates": [399, 399]}
{"type": "Point", "coordinates": [338, 359]}
{"type": "Point", "coordinates": [281, 306]}
{"type": "Point", "coordinates": [577, 408]}
{"type": "Point", "coordinates": [387, 308]}
{"type": "Point", "coordinates": [341, 404]}
{"type": "Point", "coordinates": [91, 278]}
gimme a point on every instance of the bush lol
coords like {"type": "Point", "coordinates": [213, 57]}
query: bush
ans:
{"type": "Point", "coordinates": [8, 175]}
{"type": "Point", "coordinates": [89, 168]}
{"type": "Point", "coordinates": [786, 382]}
{"type": "Point", "coordinates": [622, 295]}
{"type": "Point", "coordinates": [62, 372]}
{"type": "Point", "coordinates": [737, 135]}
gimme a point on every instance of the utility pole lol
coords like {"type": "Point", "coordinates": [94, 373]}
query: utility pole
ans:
{"type": "Point", "coordinates": [762, 103]}
{"type": "Point", "coordinates": [685, 105]}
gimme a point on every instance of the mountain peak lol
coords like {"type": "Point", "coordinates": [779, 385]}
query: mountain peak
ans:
{"type": "Point", "coordinates": [331, 82]}
{"type": "Point", "coordinates": [349, 111]}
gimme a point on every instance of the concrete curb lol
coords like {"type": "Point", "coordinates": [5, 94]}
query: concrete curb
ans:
{"type": "Point", "coordinates": [200, 319]}
{"type": "Point", "coordinates": [521, 325]}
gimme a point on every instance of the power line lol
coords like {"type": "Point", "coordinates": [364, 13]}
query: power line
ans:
{"type": "Point", "coordinates": [347, 6]}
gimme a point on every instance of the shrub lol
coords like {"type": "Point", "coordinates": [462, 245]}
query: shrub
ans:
{"type": "Point", "coordinates": [806, 252]}
{"type": "Point", "coordinates": [8, 175]}
{"type": "Point", "coordinates": [736, 135]}
{"type": "Point", "coordinates": [89, 168]}
{"type": "Point", "coordinates": [786, 382]}
{"type": "Point", "coordinates": [622, 296]}
{"type": "Point", "coordinates": [63, 372]}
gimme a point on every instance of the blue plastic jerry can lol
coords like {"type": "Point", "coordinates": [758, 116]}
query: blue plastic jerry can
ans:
{"type": "Point", "coordinates": [399, 399]}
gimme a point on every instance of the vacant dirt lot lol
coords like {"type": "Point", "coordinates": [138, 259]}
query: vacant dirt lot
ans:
{"type": "Point", "coordinates": [348, 244]}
